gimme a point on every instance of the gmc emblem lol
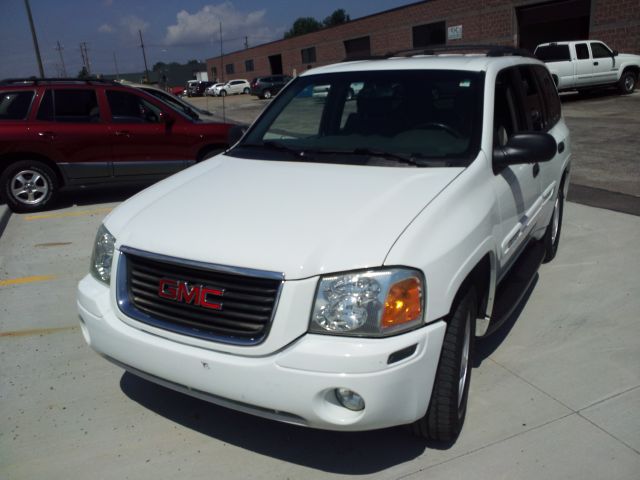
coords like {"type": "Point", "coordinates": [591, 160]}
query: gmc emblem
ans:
{"type": "Point", "coordinates": [182, 292]}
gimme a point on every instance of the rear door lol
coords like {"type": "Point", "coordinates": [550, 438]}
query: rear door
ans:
{"type": "Point", "coordinates": [73, 125]}
{"type": "Point", "coordinates": [145, 144]}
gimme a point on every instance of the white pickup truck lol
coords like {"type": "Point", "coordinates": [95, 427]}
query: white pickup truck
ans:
{"type": "Point", "coordinates": [585, 64]}
{"type": "Point", "coordinates": [333, 268]}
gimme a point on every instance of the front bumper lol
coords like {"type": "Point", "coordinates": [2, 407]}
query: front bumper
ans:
{"type": "Point", "coordinates": [295, 384]}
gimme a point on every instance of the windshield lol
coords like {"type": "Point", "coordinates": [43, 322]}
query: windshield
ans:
{"type": "Point", "coordinates": [401, 114]}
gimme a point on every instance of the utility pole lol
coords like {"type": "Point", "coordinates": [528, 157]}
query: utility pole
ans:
{"type": "Point", "coordinates": [35, 38]}
{"type": "Point", "coordinates": [59, 49]}
{"type": "Point", "coordinates": [246, 42]}
{"type": "Point", "coordinates": [144, 56]}
{"type": "Point", "coordinates": [85, 57]}
{"type": "Point", "coordinates": [115, 61]}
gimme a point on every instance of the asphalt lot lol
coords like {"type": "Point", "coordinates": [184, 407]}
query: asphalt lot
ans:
{"type": "Point", "coordinates": [555, 393]}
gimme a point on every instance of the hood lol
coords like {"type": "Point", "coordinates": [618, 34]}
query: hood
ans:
{"type": "Point", "coordinates": [299, 219]}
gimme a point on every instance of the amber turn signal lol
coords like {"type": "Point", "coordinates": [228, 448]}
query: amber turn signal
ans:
{"type": "Point", "coordinates": [403, 303]}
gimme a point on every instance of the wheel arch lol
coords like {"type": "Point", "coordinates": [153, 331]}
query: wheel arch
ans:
{"type": "Point", "coordinates": [10, 158]}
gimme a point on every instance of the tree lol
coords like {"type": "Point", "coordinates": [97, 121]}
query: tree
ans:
{"type": "Point", "coordinates": [338, 17]}
{"type": "Point", "coordinates": [303, 25]}
{"type": "Point", "coordinates": [159, 66]}
{"type": "Point", "coordinates": [83, 73]}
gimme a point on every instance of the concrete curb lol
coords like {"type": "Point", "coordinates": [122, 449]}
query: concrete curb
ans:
{"type": "Point", "coordinates": [5, 213]}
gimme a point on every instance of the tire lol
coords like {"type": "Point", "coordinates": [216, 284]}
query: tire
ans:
{"type": "Point", "coordinates": [223, 93]}
{"type": "Point", "coordinates": [448, 406]}
{"type": "Point", "coordinates": [246, 91]}
{"type": "Point", "coordinates": [267, 94]}
{"type": "Point", "coordinates": [551, 237]}
{"type": "Point", "coordinates": [28, 186]}
{"type": "Point", "coordinates": [627, 83]}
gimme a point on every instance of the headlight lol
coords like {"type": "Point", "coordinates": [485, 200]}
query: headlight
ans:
{"type": "Point", "coordinates": [102, 255]}
{"type": "Point", "coordinates": [369, 303]}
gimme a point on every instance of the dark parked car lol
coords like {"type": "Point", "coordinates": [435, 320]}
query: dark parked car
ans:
{"type": "Point", "coordinates": [266, 87]}
{"type": "Point", "coordinates": [65, 133]}
{"type": "Point", "coordinates": [197, 89]}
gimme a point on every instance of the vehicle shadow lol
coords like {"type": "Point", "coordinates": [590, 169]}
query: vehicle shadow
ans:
{"type": "Point", "coordinates": [485, 347]}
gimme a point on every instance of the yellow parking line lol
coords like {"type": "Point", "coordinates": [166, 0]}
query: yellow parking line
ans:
{"type": "Point", "coordinates": [80, 213]}
{"type": "Point", "coordinates": [37, 331]}
{"type": "Point", "coordinates": [23, 280]}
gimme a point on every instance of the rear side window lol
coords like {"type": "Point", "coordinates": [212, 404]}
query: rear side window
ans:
{"type": "Point", "coordinates": [550, 96]}
{"type": "Point", "coordinates": [70, 106]}
{"type": "Point", "coordinates": [582, 51]}
{"type": "Point", "coordinates": [553, 53]}
{"type": "Point", "coordinates": [15, 105]}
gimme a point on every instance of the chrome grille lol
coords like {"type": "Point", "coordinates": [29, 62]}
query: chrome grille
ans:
{"type": "Point", "coordinates": [246, 306]}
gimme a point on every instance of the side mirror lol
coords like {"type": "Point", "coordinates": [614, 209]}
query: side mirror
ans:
{"type": "Point", "coordinates": [531, 147]}
{"type": "Point", "coordinates": [235, 134]}
{"type": "Point", "coordinates": [615, 53]}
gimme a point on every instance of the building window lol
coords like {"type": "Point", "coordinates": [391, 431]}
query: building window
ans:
{"type": "Point", "coordinates": [229, 68]}
{"type": "Point", "coordinates": [429, 34]}
{"type": "Point", "coordinates": [248, 65]}
{"type": "Point", "coordinates": [308, 55]}
{"type": "Point", "coordinates": [357, 47]}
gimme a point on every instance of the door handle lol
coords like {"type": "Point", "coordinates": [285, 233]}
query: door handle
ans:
{"type": "Point", "coordinates": [50, 135]}
{"type": "Point", "coordinates": [561, 147]}
{"type": "Point", "coordinates": [122, 133]}
{"type": "Point", "coordinates": [536, 169]}
{"type": "Point", "coordinates": [595, 63]}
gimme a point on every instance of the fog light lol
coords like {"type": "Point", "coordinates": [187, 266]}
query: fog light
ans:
{"type": "Point", "coordinates": [349, 399]}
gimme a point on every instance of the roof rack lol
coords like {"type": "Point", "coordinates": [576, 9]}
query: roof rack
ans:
{"type": "Point", "coordinates": [489, 50]}
{"type": "Point", "coordinates": [38, 81]}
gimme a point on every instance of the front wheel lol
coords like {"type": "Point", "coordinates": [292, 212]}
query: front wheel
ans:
{"type": "Point", "coordinates": [627, 83]}
{"type": "Point", "coordinates": [28, 186]}
{"type": "Point", "coordinates": [246, 91]}
{"type": "Point", "coordinates": [266, 94]}
{"type": "Point", "coordinates": [448, 406]}
{"type": "Point", "coordinates": [223, 93]}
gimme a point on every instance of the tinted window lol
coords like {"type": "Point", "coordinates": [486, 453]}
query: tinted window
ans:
{"type": "Point", "coordinates": [15, 105]}
{"type": "Point", "coordinates": [582, 51]}
{"type": "Point", "coordinates": [70, 106]}
{"type": "Point", "coordinates": [532, 99]}
{"type": "Point", "coordinates": [507, 115]}
{"type": "Point", "coordinates": [550, 96]}
{"type": "Point", "coordinates": [553, 53]}
{"type": "Point", "coordinates": [600, 51]}
{"type": "Point", "coordinates": [130, 108]}
{"type": "Point", "coordinates": [422, 114]}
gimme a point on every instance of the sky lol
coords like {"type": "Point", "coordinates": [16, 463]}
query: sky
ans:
{"type": "Point", "coordinates": [173, 31]}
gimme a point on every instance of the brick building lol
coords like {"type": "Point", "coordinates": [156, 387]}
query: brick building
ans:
{"type": "Point", "coordinates": [523, 23]}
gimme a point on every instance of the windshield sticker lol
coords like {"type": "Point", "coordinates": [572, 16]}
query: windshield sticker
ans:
{"type": "Point", "coordinates": [465, 83]}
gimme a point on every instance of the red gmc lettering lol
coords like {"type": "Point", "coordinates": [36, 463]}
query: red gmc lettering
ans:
{"type": "Point", "coordinates": [184, 293]}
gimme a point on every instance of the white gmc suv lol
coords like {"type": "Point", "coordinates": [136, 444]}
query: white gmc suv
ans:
{"type": "Point", "coordinates": [333, 267]}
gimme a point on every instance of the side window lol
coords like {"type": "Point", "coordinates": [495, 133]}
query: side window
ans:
{"type": "Point", "coordinates": [15, 105]}
{"type": "Point", "coordinates": [582, 51]}
{"type": "Point", "coordinates": [507, 114]}
{"type": "Point", "coordinates": [69, 106]}
{"type": "Point", "coordinates": [550, 95]}
{"type": "Point", "coordinates": [600, 51]}
{"type": "Point", "coordinates": [532, 99]}
{"type": "Point", "coordinates": [130, 108]}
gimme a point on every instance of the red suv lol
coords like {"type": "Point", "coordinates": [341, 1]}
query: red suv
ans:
{"type": "Point", "coordinates": [66, 133]}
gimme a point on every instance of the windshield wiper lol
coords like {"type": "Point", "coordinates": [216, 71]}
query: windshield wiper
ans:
{"type": "Point", "coordinates": [274, 145]}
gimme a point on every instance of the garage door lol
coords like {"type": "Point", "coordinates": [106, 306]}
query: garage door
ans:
{"type": "Point", "coordinates": [553, 22]}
